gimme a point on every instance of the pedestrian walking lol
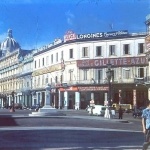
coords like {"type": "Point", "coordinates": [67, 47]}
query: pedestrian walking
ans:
{"type": "Point", "coordinates": [146, 126]}
{"type": "Point", "coordinates": [120, 111]}
{"type": "Point", "coordinates": [113, 113]}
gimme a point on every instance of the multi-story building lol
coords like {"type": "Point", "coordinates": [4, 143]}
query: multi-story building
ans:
{"type": "Point", "coordinates": [76, 69]}
{"type": "Point", "coordinates": [25, 67]}
{"type": "Point", "coordinates": [11, 60]}
{"type": "Point", "coordinates": [147, 49]}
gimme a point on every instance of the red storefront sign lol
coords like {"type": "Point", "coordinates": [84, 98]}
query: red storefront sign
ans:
{"type": "Point", "coordinates": [93, 88]}
{"type": "Point", "coordinates": [69, 89]}
{"type": "Point", "coordinates": [85, 88]}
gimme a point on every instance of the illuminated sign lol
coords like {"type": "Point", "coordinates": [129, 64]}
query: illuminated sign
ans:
{"type": "Point", "coordinates": [102, 35]}
{"type": "Point", "coordinates": [70, 35]}
{"type": "Point", "coordinates": [134, 97]}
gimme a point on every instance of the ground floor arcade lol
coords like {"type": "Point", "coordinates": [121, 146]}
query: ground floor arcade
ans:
{"type": "Point", "coordinates": [78, 97]}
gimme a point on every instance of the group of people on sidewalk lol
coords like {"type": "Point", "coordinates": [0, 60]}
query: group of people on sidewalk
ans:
{"type": "Point", "coordinates": [146, 126]}
{"type": "Point", "coordinates": [120, 112]}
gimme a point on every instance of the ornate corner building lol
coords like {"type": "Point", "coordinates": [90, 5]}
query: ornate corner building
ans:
{"type": "Point", "coordinates": [15, 72]}
{"type": "Point", "coordinates": [76, 67]}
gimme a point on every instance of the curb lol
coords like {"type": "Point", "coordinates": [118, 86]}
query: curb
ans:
{"type": "Point", "coordinates": [65, 116]}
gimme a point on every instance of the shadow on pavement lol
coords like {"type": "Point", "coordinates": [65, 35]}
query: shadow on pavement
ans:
{"type": "Point", "coordinates": [8, 121]}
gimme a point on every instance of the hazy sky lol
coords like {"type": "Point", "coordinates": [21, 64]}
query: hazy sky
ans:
{"type": "Point", "coordinates": [36, 23]}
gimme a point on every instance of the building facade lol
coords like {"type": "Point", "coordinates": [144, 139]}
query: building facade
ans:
{"type": "Point", "coordinates": [147, 50]}
{"type": "Point", "coordinates": [12, 68]}
{"type": "Point", "coordinates": [76, 69]}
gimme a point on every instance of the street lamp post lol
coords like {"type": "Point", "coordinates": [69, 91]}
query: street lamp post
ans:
{"type": "Point", "coordinates": [109, 76]}
{"type": "Point", "coordinates": [13, 98]}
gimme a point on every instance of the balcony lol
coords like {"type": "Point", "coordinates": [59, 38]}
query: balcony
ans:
{"type": "Point", "coordinates": [105, 81]}
{"type": "Point", "coordinates": [95, 82]}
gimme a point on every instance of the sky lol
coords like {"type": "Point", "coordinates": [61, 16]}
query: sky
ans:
{"type": "Point", "coordinates": [36, 23]}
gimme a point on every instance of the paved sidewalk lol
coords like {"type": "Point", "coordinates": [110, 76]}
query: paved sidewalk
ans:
{"type": "Point", "coordinates": [25, 129]}
{"type": "Point", "coordinates": [67, 114]}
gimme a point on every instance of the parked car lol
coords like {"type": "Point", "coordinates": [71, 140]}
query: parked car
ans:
{"type": "Point", "coordinates": [24, 107]}
{"type": "Point", "coordinates": [97, 110]}
{"type": "Point", "coordinates": [18, 106]}
{"type": "Point", "coordinates": [88, 108]}
{"type": "Point", "coordinates": [138, 112]}
{"type": "Point", "coordinates": [36, 107]}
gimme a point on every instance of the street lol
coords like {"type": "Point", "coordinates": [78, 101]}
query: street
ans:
{"type": "Point", "coordinates": [75, 130]}
{"type": "Point", "coordinates": [69, 138]}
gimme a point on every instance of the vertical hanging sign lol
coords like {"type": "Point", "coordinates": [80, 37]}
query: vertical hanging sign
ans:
{"type": "Point", "coordinates": [134, 97]}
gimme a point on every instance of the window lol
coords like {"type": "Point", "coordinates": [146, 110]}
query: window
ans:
{"type": "Point", "coordinates": [62, 55]}
{"type": "Point", "coordinates": [126, 49]}
{"type": "Point", "coordinates": [21, 84]}
{"type": "Point", "coordinates": [126, 73]}
{"type": "Point", "coordinates": [43, 61]}
{"type": "Point", "coordinates": [85, 74]}
{"type": "Point", "coordinates": [38, 81]}
{"type": "Point", "coordinates": [114, 74]}
{"type": "Point", "coordinates": [61, 78]}
{"type": "Point", "coordinates": [56, 57]}
{"type": "Point", "coordinates": [46, 80]}
{"type": "Point", "coordinates": [28, 84]}
{"type": "Point", "coordinates": [111, 49]}
{"type": "Point", "coordinates": [140, 72]}
{"type": "Point", "coordinates": [52, 59]}
{"type": "Point", "coordinates": [39, 62]}
{"type": "Point", "coordinates": [70, 53]}
{"type": "Point", "coordinates": [47, 60]}
{"type": "Point", "coordinates": [99, 75]}
{"type": "Point", "coordinates": [43, 80]}
{"type": "Point", "coordinates": [85, 52]}
{"type": "Point", "coordinates": [70, 75]}
{"type": "Point", "coordinates": [140, 48]}
{"type": "Point", "coordinates": [56, 79]}
{"type": "Point", "coordinates": [98, 50]}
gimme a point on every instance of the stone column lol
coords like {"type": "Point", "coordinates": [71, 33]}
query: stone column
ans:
{"type": "Point", "coordinates": [77, 100]}
{"type": "Point", "coordinates": [1, 102]}
{"type": "Point", "coordinates": [54, 100]}
{"type": "Point", "coordinates": [47, 96]}
{"type": "Point", "coordinates": [66, 100]}
{"type": "Point", "coordinates": [107, 111]}
{"type": "Point", "coordinates": [36, 98]}
{"type": "Point", "coordinates": [105, 99]}
{"type": "Point", "coordinates": [92, 96]}
{"type": "Point", "coordinates": [9, 100]}
{"type": "Point", "coordinates": [40, 98]}
{"type": "Point", "coordinates": [60, 99]}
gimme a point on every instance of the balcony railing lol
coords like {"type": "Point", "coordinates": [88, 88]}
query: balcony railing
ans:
{"type": "Point", "coordinates": [96, 82]}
